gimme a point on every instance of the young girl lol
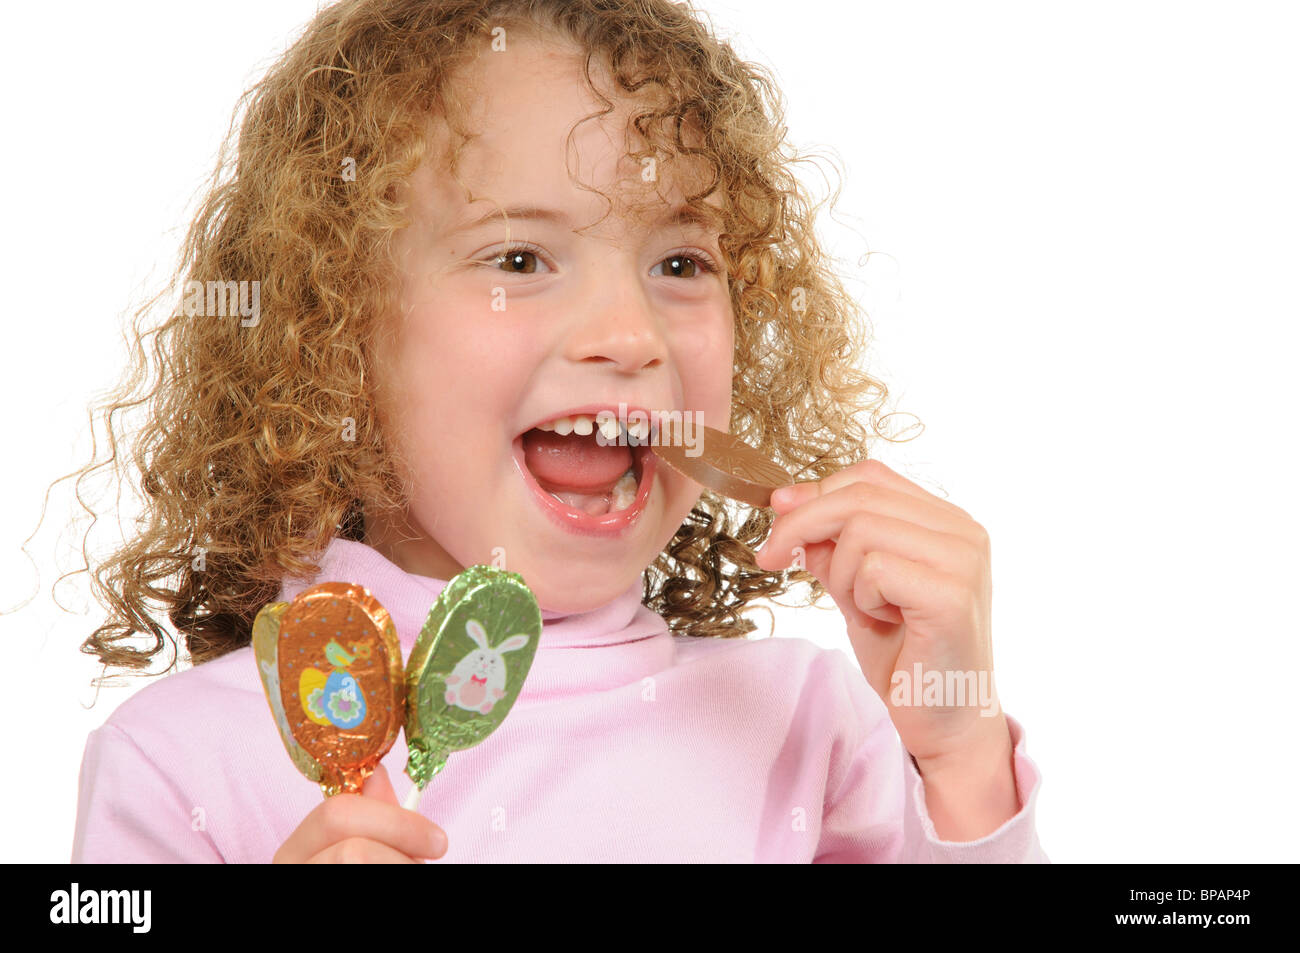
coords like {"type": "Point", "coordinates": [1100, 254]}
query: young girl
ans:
{"type": "Point", "coordinates": [459, 231]}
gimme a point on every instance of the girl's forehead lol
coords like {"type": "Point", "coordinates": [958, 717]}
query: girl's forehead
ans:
{"type": "Point", "coordinates": [549, 149]}
{"type": "Point", "coordinates": [514, 185]}
{"type": "Point", "coordinates": [530, 112]}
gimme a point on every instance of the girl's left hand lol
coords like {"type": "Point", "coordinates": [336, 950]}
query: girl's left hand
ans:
{"type": "Point", "coordinates": [912, 575]}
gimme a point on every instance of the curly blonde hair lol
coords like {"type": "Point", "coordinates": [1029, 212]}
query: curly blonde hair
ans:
{"type": "Point", "coordinates": [239, 457]}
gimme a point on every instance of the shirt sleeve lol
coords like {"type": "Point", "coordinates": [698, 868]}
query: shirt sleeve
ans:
{"type": "Point", "coordinates": [1015, 842]}
{"type": "Point", "coordinates": [875, 808]}
{"type": "Point", "coordinates": [130, 811]}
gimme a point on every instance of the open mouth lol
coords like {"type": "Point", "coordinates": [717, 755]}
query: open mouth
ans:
{"type": "Point", "coordinates": [589, 482]}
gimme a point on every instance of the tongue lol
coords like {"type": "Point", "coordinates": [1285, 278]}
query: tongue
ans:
{"type": "Point", "coordinates": [574, 462]}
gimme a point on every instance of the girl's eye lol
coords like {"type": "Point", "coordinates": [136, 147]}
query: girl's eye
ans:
{"type": "Point", "coordinates": [684, 265]}
{"type": "Point", "coordinates": [522, 260]}
{"type": "Point", "coordinates": [516, 260]}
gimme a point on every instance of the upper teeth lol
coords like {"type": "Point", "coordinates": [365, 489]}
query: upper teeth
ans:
{"type": "Point", "coordinates": [585, 424]}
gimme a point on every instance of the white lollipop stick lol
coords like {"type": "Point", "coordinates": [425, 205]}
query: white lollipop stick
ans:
{"type": "Point", "coordinates": [412, 802]}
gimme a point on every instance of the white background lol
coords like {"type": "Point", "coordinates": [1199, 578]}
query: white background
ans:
{"type": "Point", "coordinates": [1086, 216]}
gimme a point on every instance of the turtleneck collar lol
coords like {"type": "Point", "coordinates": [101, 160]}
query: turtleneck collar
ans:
{"type": "Point", "coordinates": [637, 640]}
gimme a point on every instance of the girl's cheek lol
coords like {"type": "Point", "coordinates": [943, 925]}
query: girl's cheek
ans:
{"type": "Point", "coordinates": [707, 356]}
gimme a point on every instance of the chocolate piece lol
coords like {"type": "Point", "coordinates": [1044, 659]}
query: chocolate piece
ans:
{"type": "Point", "coordinates": [726, 465]}
{"type": "Point", "coordinates": [467, 667]}
{"type": "Point", "coordinates": [332, 669]}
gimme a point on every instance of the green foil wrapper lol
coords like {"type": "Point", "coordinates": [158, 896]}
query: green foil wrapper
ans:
{"type": "Point", "coordinates": [468, 665]}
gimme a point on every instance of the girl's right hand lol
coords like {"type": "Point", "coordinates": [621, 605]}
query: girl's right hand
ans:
{"type": "Point", "coordinates": [366, 828]}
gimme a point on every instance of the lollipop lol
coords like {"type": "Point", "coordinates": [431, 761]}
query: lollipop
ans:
{"type": "Point", "coordinates": [332, 669]}
{"type": "Point", "coordinates": [467, 667]}
{"type": "Point", "coordinates": [726, 464]}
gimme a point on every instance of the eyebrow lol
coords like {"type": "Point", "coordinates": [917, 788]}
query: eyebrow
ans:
{"type": "Point", "coordinates": [682, 215]}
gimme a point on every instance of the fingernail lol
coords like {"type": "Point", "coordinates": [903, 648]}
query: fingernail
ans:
{"type": "Point", "coordinates": [783, 495]}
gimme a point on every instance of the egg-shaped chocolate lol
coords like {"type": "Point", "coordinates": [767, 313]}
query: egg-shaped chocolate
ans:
{"type": "Point", "coordinates": [468, 665]}
{"type": "Point", "coordinates": [336, 670]}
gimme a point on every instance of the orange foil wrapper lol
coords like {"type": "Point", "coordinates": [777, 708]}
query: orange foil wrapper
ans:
{"type": "Point", "coordinates": [332, 661]}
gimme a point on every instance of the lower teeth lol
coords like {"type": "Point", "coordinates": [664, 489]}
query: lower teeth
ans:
{"type": "Point", "coordinates": [620, 497]}
{"type": "Point", "coordinates": [624, 492]}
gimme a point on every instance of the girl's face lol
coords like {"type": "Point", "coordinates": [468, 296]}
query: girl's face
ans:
{"type": "Point", "coordinates": [490, 343]}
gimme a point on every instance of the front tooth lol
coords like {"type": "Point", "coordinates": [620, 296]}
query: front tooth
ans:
{"type": "Point", "coordinates": [582, 425]}
{"type": "Point", "coordinates": [609, 428]}
{"type": "Point", "coordinates": [636, 432]}
{"type": "Point", "coordinates": [549, 425]}
{"type": "Point", "coordinates": [564, 426]}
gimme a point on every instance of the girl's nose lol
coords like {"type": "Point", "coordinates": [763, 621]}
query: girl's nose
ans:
{"type": "Point", "coordinates": [618, 325]}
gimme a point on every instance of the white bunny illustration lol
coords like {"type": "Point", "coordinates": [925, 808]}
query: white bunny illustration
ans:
{"type": "Point", "coordinates": [479, 679]}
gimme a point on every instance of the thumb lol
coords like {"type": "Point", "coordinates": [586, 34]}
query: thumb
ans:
{"type": "Point", "coordinates": [379, 786]}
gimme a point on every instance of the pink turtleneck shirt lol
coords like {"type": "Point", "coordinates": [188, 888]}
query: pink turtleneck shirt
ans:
{"type": "Point", "coordinates": [626, 744]}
